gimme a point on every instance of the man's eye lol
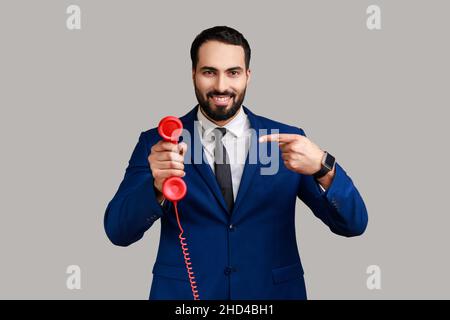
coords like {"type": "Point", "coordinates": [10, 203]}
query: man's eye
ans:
{"type": "Point", "coordinates": [208, 73]}
{"type": "Point", "coordinates": [234, 73]}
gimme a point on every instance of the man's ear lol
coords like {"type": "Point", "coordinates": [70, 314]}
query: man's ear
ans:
{"type": "Point", "coordinates": [193, 74]}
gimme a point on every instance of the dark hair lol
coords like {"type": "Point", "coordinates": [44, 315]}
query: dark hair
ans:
{"type": "Point", "coordinates": [223, 34]}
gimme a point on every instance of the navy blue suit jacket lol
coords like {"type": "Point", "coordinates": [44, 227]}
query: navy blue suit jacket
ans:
{"type": "Point", "coordinates": [249, 254]}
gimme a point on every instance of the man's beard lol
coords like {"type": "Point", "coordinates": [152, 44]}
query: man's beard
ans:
{"type": "Point", "coordinates": [220, 114]}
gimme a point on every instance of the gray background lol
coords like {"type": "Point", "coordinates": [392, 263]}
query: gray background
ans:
{"type": "Point", "coordinates": [73, 104]}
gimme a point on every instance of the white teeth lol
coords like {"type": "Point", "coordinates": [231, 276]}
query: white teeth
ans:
{"type": "Point", "coordinates": [221, 99]}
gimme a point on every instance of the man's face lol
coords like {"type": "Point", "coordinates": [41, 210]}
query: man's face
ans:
{"type": "Point", "coordinates": [220, 79]}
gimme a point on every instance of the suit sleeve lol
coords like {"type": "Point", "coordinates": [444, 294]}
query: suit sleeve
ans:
{"type": "Point", "coordinates": [134, 208]}
{"type": "Point", "coordinates": [340, 207]}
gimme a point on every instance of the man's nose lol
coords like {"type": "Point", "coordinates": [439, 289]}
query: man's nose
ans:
{"type": "Point", "coordinates": [221, 83]}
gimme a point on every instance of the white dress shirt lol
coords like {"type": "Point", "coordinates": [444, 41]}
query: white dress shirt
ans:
{"type": "Point", "coordinates": [236, 141]}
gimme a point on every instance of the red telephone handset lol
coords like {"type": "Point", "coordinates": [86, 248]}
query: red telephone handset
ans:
{"type": "Point", "coordinates": [170, 128]}
{"type": "Point", "coordinates": [174, 189]}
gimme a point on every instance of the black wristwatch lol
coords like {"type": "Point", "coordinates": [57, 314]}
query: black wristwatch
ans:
{"type": "Point", "coordinates": [328, 162]}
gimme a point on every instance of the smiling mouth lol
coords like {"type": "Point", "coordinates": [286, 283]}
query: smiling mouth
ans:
{"type": "Point", "coordinates": [221, 100]}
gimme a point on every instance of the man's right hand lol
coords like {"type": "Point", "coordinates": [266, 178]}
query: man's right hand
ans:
{"type": "Point", "coordinates": [166, 160]}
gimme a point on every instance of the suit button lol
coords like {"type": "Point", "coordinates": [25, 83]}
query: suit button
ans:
{"type": "Point", "coordinates": [232, 227]}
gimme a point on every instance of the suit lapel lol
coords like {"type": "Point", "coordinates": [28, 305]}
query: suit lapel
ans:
{"type": "Point", "coordinates": [252, 163]}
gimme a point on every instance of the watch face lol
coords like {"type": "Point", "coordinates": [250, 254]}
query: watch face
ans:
{"type": "Point", "coordinates": [329, 161]}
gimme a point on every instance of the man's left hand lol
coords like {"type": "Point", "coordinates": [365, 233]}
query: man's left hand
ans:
{"type": "Point", "coordinates": [301, 155]}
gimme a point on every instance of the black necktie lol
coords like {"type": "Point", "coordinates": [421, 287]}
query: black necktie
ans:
{"type": "Point", "coordinates": [222, 168]}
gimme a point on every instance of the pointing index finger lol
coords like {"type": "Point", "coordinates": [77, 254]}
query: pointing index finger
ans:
{"type": "Point", "coordinates": [281, 137]}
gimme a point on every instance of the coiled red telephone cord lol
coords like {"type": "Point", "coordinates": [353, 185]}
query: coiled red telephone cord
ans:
{"type": "Point", "coordinates": [186, 257]}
